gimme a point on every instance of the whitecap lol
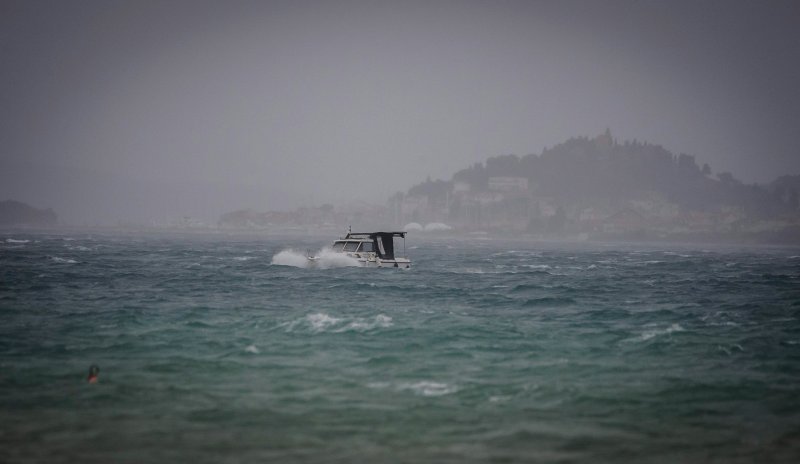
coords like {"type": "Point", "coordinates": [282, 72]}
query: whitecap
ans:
{"type": "Point", "coordinates": [473, 270]}
{"type": "Point", "coordinates": [722, 324]}
{"type": "Point", "coordinates": [380, 321]}
{"type": "Point", "coordinates": [421, 388]}
{"type": "Point", "coordinates": [729, 351]}
{"type": "Point", "coordinates": [243, 258]}
{"type": "Point", "coordinates": [13, 240]}
{"type": "Point", "coordinates": [321, 321]}
{"type": "Point", "coordinates": [672, 253]}
{"type": "Point", "coordinates": [650, 334]}
{"type": "Point", "coordinates": [536, 266]}
{"type": "Point", "coordinates": [655, 333]}
{"type": "Point", "coordinates": [252, 349]}
{"type": "Point", "coordinates": [428, 388]}
{"type": "Point", "coordinates": [63, 260]}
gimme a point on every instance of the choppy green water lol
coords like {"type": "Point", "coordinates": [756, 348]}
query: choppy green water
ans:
{"type": "Point", "coordinates": [485, 351]}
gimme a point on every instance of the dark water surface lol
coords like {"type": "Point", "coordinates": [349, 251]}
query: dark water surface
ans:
{"type": "Point", "coordinates": [485, 351]}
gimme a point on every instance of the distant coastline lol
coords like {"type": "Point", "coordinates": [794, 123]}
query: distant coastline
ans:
{"type": "Point", "coordinates": [583, 189]}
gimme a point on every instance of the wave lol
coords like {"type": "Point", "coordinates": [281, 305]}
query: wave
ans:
{"type": "Point", "coordinates": [548, 301]}
{"type": "Point", "coordinates": [470, 270]}
{"type": "Point", "coordinates": [252, 349]}
{"type": "Point", "coordinates": [729, 350]}
{"type": "Point", "coordinates": [63, 260]}
{"type": "Point", "coordinates": [673, 253]}
{"type": "Point", "coordinates": [524, 288]}
{"type": "Point", "coordinates": [422, 388]}
{"type": "Point", "coordinates": [536, 266]}
{"type": "Point", "coordinates": [326, 259]}
{"type": "Point", "coordinates": [321, 322]}
{"type": "Point", "coordinates": [649, 334]}
{"type": "Point", "coordinates": [13, 240]}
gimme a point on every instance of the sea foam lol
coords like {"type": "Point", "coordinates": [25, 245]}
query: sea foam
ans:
{"type": "Point", "coordinates": [421, 388]}
{"type": "Point", "coordinates": [321, 322]}
{"type": "Point", "coordinates": [647, 335]}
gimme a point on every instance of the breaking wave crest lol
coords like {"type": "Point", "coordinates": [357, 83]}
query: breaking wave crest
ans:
{"type": "Point", "coordinates": [321, 322]}
{"type": "Point", "coordinates": [649, 334]}
{"type": "Point", "coordinates": [421, 388]}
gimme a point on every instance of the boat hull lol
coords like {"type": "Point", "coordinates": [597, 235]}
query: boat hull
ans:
{"type": "Point", "coordinates": [369, 261]}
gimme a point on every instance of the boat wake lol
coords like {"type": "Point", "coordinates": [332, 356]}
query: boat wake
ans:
{"type": "Point", "coordinates": [323, 259]}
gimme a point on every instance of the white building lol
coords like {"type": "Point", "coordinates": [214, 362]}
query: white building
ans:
{"type": "Point", "coordinates": [508, 184]}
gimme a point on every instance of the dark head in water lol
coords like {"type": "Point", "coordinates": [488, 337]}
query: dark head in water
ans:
{"type": "Point", "coordinates": [94, 371]}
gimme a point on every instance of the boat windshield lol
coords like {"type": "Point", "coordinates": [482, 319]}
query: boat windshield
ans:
{"type": "Point", "coordinates": [366, 247]}
{"type": "Point", "coordinates": [338, 246]}
{"type": "Point", "coordinates": [351, 246]}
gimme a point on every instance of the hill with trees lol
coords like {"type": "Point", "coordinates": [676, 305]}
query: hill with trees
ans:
{"type": "Point", "coordinates": [15, 213]}
{"type": "Point", "coordinates": [601, 187]}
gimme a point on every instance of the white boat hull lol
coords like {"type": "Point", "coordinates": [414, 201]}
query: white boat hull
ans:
{"type": "Point", "coordinates": [370, 260]}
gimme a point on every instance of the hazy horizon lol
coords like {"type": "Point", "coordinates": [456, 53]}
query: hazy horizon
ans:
{"type": "Point", "coordinates": [119, 110]}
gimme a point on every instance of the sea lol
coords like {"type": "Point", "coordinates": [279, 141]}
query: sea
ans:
{"type": "Point", "coordinates": [225, 348]}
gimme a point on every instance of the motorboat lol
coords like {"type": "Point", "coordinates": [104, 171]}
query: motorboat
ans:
{"type": "Point", "coordinates": [370, 249]}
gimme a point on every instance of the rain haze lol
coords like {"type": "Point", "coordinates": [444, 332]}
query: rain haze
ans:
{"type": "Point", "coordinates": [400, 231]}
{"type": "Point", "coordinates": [140, 111]}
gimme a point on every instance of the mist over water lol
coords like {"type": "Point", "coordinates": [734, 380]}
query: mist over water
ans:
{"type": "Point", "coordinates": [569, 119]}
{"type": "Point", "coordinates": [144, 113]}
{"type": "Point", "coordinates": [216, 348]}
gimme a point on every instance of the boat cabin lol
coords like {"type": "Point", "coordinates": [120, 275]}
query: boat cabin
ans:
{"type": "Point", "coordinates": [380, 243]}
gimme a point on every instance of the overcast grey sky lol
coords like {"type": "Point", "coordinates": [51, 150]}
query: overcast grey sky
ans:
{"type": "Point", "coordinates": [155, 110]}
